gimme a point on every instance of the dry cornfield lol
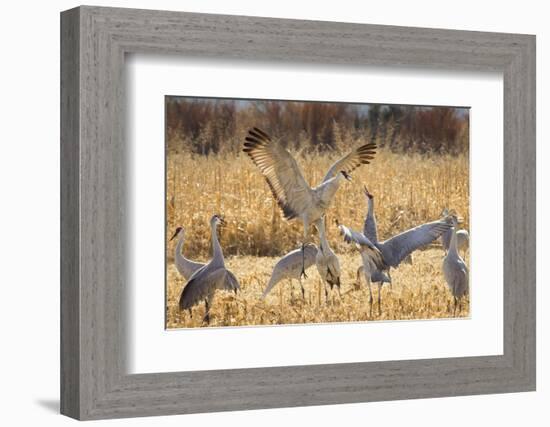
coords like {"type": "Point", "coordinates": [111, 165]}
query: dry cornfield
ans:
{"type": "Point", "coordinates": [408, 190]}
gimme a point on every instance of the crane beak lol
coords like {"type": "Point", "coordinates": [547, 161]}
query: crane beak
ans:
{"type": "Point", "coordinates": [367, 193]}
{"type": "Point", "coordinates": [346, 175]}
{"type": "Point", "coordinates": [222, 221]}
{"type": "Point", "coordinates": [175, 234]}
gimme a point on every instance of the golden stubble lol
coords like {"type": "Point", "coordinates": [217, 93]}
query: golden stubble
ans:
{"type": "Point", "coordinates": [408, 189]}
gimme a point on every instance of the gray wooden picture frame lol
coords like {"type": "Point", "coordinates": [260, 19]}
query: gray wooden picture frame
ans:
{"type": "Point", "coordinates": [94, 41]}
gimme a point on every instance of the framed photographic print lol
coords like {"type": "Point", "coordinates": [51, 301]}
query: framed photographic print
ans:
{"type": "Point", "coordinates": [325, 212]}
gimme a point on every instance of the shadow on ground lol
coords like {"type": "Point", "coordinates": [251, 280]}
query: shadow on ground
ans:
{"type": "Point", "coordinates": [51, 405]}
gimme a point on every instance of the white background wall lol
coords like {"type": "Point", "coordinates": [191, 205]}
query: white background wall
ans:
{"type": "Point", "coordinates": [29, 211]}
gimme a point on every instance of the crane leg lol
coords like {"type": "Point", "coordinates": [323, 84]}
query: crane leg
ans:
{"type": "Point", "coordinates": [207, 312]}
{"type": "Point", "coordinates": [303, 273]}
{"type": "Point", "coordinates": [303, 290]}
{"type": "Point", "coordinates": [389, 277]}
{"type": "Point", "coordinates": [326, 294]}
{"type": "Point", "coordinates": [190, 313]}
{"type": "Point", "coordinates": [370, 299]}
{"type": "Point", "coordinates": [454, 310]}
{"type": "Point", "coordinates": [379, 298]}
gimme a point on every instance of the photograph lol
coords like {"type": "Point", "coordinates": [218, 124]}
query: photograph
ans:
{"type": "Point", "coordinates": [283, 212]}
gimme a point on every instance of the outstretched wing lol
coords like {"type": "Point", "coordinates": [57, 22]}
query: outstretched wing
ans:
{"type": "Point", "coordinates": [399, 247]}
{"type": "Point", "coordinates": [196, 290]}
{"type": "Point", "coordinates": [281, 172]}
{"type": "Point", "coordinates": [352, 236]}
{"type": "Point", "coordinates": [360, 156]}
{"type": "Point", "coordinates": [203, 284]}
{"type": "Point", "coordinates": [223, 279]}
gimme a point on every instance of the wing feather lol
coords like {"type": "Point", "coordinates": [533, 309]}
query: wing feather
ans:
{"type": "Point", "coordinates": [399, 247]}
{"type": "Point", "coordinates": [352, 236]}
{"type": "Point", "coordinates": [203, 284]}
{"type": "Point", "coordinates": [283, 176]}
{"type": "Point", "coordinates": [360, 156]}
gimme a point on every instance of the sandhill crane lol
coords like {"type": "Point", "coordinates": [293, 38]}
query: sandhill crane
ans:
{"type": "Point", "coordinates": [370, 229]}
{"type": "Point", "coordinates": [395, 250]}
{"type": "Point", "coordinates": [185, 266]}
{"type": "Point", "coordinates": [370, 255]}
{"type": "Point", "coordinates": [204, 282]}
{"type": "Point", "coordinates": [290, 267]}
{"type": "Point", "coordinates": [289, 188]}
{"type": "Point", "coordinates": [326, 261]}
{"type": "Point", "coordinates": [455, 272]}
{"type": "Point", "coordinates": [462, 236]}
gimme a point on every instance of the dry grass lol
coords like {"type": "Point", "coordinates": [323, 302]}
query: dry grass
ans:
{"type": "Point", "coordinates": [418, 292]}
{"type": "Point", "coordinates": [408, 190]}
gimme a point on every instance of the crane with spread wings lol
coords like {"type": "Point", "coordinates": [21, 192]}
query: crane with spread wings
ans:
{"type": "Point", "coordinates": [295, 197]}
{"type": "Point", "coordinates": [393, 250]}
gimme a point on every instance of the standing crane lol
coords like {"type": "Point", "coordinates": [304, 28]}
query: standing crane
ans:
{"type": "Point", "coordinates": [327, 262]}
{"type": "Point", "coordinates": [212, 276]}
{"type": "Point", "coordinates": [289, 188]}
{"type": "Point", "coordinates": [290, 267]}
{"type": "Point", "coordinates": [393, 251]}
{"type": "Point", "coordinates": [455, 272]}
{"type": "Point", "coordinates": [185, 266]}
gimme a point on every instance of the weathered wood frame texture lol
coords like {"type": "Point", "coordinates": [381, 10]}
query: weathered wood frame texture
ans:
{"type": "Point", "coordinates": [94, 41]}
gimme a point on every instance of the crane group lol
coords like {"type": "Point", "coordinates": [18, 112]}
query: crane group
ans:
{"type": "Point", "coordinates": [298, 200]}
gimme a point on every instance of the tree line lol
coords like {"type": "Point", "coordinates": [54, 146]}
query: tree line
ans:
{"type": "Point", "coordinates": [210, 126]}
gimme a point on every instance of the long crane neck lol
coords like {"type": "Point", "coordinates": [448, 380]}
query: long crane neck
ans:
{"type": "Point", "coordinates": [370, 204]}
{"type": "Point", "coordinates": [322, 235]}
{"type": "Point", "coordinates": [217, 253]}
{"type": "Point", "coordinates": [452, 246]}
{"type": "Point", "coordinates": [184, 266]}
{"type": "Point", "coordinates": [179, 247]}
{"type": "Point", "coordinates": [370, 221]}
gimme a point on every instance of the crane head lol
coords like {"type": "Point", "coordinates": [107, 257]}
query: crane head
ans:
{"type": "Point", "coordinates": [178, 230]}
{"type": "Point", "coordinates": [217, 220]}
{"type": "Point", "coordinates": [369, 195]}
{"type": "Point", "coordinates": [454, 219]}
